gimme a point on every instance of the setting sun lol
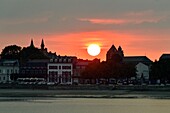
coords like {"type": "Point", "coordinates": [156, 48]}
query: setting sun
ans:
{"type": "Point", "coordinates": [93, 49]}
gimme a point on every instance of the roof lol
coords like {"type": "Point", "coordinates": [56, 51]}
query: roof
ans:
{"type": "Point", "coordinates": [137, 59]}
{"type": "Point", "coordinates": [113, 48]}
{"type": "Point", "coordinates": [164, 56]}
{"type": "Point", "coordinates": [9, 62]}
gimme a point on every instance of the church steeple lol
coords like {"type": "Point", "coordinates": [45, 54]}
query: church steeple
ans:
{"type": "Point", "coordinates": [42, 44]}
{"type": "Point", "coordinates": [32, 43]}
{"type": "Point", "coordinates": [120, 51]}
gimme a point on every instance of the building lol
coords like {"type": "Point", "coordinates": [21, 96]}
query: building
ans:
{"type": "Point", "coordinates": [36, 68]}
{"type": "Point", "coordinates": [114, 54]}
{"type": "Point", "coordinates": [7, 68]}
{"type": "Point", "coordinates": [142, 65]}
{"type": "Point", "coordinates": [164, 57]}
{"type": "Point", "coordinates": [142, 72]}
{"type": "Point", "coordinates": [60, 70]}
{"type": "Point", "coordinates": [79, 68]}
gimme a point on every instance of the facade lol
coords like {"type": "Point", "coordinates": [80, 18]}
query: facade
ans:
{"type": "Point", "coordinates": [60, 70]}
{"type": "Point", "coordinates": [79, 68]}
{"type": "Point", "coordinates": [142, 72]}
{"type": "Point", "coordinates": [7, 68]}
{"type": "Point", "coordinates": [36, 68]}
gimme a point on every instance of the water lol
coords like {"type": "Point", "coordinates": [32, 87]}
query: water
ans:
{"type": "Point", "coordinates": [83, 105]}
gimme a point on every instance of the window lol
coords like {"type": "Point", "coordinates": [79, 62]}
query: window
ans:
{"type": "Point", "coordinates": [64, 60]}
{"type": "Point", "coordinates": [66, 67]}
{"type": "Point", "coordinates": [60, 60]}
{"type": "Point", "coordinates": [69, 60]}
{"type": "Point", "coordinates": [77, 67]}
{"type": "Point", "coordinates": [0, 71]}
{"type": "Point", "coordinates": [16, 71]}
{"type": "Point", "coordinates": [7, 71]}
{"type": "Point", "coordinates": [59, 67]}
{"type": "Point", "coordinates": [53, 67]}
{"type": "Point", "coordinates": [56, 60]}
{"type": "Point", "coordinates": [51, 60]}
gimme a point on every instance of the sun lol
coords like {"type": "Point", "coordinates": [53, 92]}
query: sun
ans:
{"type": "Point", "coordinates": [93, 49]}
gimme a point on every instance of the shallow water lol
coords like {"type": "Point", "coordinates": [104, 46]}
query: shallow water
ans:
{"type": "Point", "coordinates": [83, 105]}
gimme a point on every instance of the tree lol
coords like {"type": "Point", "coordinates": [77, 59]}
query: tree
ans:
{"type": "Point", "coordinates": [11, 52]}
{"type": "Point", "coordinates": [31, 53]}
{"type": "Point", "coordinates": [160, 70]}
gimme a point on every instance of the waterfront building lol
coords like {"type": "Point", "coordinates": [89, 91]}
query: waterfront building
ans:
{"type": "Point", "coordinates": [7, 68]}
{"type": "Point", "coordinates": [60, 69]}
{"type": "Point", "coordinates": [141, 63]}
{"type": "Point", "coordinates": [79, 68]}
{"type": "Point", "coordinates": [35, 68]}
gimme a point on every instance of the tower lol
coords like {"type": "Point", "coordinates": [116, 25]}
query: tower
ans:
{"type": "Point", "coordinates": [120, 51]}
{"type": "Point", "coordinates": [42, 45]}
{"type": "Point", "coordinates": [110, 53]}
{"type": "Point", "coordinates": [32, 44]}
{"type": "Point", "coordinates": [115, 55]}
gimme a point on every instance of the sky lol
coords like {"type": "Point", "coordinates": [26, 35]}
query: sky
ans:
{"type": "Point", "coordinates": [140, 27]}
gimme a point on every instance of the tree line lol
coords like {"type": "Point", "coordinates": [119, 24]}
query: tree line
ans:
{"type": "Point", "coordinates": [22, 54]}
{"type": "Point", "coordinates": [107, 71]}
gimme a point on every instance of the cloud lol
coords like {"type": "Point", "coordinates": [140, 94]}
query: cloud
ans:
{"type": "Point", "coordinates": [148, 16]}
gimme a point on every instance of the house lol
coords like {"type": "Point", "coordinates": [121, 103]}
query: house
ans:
{"type": "Point", "coordinates": [142, 65]}
{"type": "Point", "coordinates": [142, 72]}
{"type": "Point", "coordinates": [60, 70]}
{"type": "Point", "coordinates": [7, 68]}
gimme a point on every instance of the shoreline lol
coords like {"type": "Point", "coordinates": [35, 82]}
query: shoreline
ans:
{"type": "Point", "coordinates": [110, 94]}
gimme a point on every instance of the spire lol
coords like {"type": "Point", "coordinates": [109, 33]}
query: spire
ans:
{"type": "Point", "coordinates": [32, 43]}
{"type": "Point", "coordinates": [42, 44]}
{"type": "Point", "coordinates": [119, 48]}
{"type": "Point", "coordinates": [120, 51]}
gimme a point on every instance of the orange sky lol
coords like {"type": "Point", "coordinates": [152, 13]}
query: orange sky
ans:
{"type": "Point", "coordinates": [75, 44]}
{"type": "Point", "coordinates": [141, 27]}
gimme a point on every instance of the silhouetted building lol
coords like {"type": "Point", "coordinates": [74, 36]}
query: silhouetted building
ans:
{"type": "Point", "coordinates": [115, 55]}
{"type": "Point", "coordinates": [137, 59]}
{"type": "Point", "coordinates": [36, 68]}
{"type": "Point", "coordinates": [142, 65]}
{"type": "Point", "coordinates": [165, 57]}
{"type": "Point", "coordinates": [79, 68]}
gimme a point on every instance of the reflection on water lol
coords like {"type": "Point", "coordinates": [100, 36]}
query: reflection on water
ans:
{"type": "Point", "coordinates": [84, 105]}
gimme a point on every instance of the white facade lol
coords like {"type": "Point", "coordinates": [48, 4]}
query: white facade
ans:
{"type": "Point", "coordinates": [60, 72]}
{"type": "Point", "coordinates": [7, 68]}
{"type": "Point", "coordinates": [142, 71]}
